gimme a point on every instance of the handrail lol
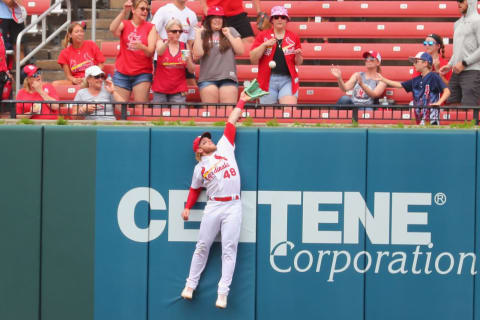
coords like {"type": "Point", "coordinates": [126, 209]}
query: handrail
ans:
{"type": "Point", "coordinates": [45, 40]}
{"type": "Point", "coordinates": [94, 19]}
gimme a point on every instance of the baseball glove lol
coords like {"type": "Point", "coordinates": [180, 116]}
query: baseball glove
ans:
{"type": "Point", "coordinates": [263, 22]}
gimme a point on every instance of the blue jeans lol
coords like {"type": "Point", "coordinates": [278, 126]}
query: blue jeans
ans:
{"type": "Point", "coordinates": [279, 87]}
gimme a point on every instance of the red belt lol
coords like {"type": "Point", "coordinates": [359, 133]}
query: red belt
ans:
{"type": "Point", "coordinates": [224, 199]}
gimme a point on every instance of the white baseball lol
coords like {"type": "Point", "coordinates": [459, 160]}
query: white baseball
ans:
{"type": "Point", "coordinates": [272, 64]}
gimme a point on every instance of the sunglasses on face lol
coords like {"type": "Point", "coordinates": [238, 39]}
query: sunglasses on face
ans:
{"type": "Point", "coordinates": [99, 76]}
{"type": "Point", "coordinates": [280, 17]}
{"type": "Point", "coordinates": [143, 8]}
{"type": "Point", "coordinates": [370, 59]}
{"type": "Point", "coordinates": [37, 74]}
{"type": "Point", "coordinates": [429, 43]}
{"type": "Point", "coordinates": [175, 31]}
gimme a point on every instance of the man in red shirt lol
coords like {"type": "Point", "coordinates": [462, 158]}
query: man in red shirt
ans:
{"type": "Point", "coordinates": [235, 16]}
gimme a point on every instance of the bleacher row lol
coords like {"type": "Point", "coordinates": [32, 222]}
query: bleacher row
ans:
{"type": "Point", "coordinates": [395, 40]}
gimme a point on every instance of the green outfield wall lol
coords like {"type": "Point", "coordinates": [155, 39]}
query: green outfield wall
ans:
{"type": "Point", "coordinates": [365, 224]}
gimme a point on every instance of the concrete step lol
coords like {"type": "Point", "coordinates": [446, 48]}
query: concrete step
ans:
{"type": "Point", "coordinates": [50, 65]}
{"type": "Point", "coordinates": [116, 3]}
{"type": "Point", "coordinates": [102, 13]}
{"type": "Point", "coordinates": [49, 76]}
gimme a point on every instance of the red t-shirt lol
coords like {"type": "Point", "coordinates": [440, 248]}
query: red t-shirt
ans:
{"type": "Point", "coordinates": [3, 57]}
{"type": "Point", "coordinates": [47, 113]}
{"type": "Point", "coordinates": [289, 44]}
{"type": "Point", "coordinates": [133, 62]}
{"type": "Point", "coordinates": [80, 59]}
{"type": "Point", "coordinates": [442, 63]}
{"type": "Point", "coordinates": [170, 73]}
{"type": "Point", "coordinates": [231, 7]}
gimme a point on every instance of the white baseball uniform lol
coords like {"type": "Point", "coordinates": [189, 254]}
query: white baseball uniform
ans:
{"type": "Point", "coordinates": [218, 173]}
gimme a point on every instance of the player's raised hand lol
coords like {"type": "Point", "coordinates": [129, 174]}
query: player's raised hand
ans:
{"type": "Point", "coordinates": [244, 96]}
{"type": "Point", "coordinates": [185, 214]}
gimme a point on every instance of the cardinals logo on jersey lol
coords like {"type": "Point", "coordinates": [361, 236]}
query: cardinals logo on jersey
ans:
{"type": "Point", "coordinates": [218, 157]}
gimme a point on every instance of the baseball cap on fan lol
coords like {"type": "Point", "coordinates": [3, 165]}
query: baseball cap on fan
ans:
{"type": "Point", "coordinates": [196, 141]}
{"type": "Point", "coordinates": [30, 70]}
{"type": "Point", "coordinates": [93, 71]}
{"type": "Point", "coordinates": [425, 56]}
{"type": "Point", "coordinates": [372, 53]}
{"type": "Point", "coordinates": [215, 11]}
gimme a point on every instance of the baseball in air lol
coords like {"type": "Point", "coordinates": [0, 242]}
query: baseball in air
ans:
{"type": "Point", "coordinates": [272, 64]}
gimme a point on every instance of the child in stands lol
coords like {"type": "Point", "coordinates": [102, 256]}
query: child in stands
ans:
{"type": "Point", "coordinates": [428, 89]}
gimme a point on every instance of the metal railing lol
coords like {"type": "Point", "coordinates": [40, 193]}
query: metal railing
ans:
{"type": "Point", "coordinates": [43, 19]}
{"type": "Point", "coordinates": [203, 112]}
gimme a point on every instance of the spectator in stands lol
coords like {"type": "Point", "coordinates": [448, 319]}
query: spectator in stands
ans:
{"type": "Point", "coordinates": [188, 19]}
{"type": "Point", "coordinates": [365, 86]}
{"type": "Point", "coordinates": [78, 55]}
{"type": "Point", "coordinates": [216, 46]}
{"type": "Point", "coordinates": [428, 89]}
{"type": "Point", "coordinates": [169, 81]}
{"type": "Point", "coordinates": [96, 90]}
{"type": "Point", "coordinates": [5, 76]}
{"type": "Point", "coordinates": [277, 51]}
{"type": "Point", "coordinates": [12, 18]}
{"type": "Point", "coordinates": [134, 65]}
{"type": "Point", "coordinates": [465, 61]}
{"type": "Point", "coordinates": [35, 89]}
{"type": "Point", "coordinates": [235, 16]}
{"type": "Point", "coordinates": [434, 46]}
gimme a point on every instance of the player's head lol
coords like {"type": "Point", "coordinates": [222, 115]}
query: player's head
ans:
{"type": "Point", "coordinates": [421, 61]}
{"type": "Point", "coordinates": [462, 6]}
{"type": "Point", "coordinates": [203, 145]}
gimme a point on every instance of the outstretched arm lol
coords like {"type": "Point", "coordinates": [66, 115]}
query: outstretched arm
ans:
{"type": "Point", "coordinates": [237, 111]}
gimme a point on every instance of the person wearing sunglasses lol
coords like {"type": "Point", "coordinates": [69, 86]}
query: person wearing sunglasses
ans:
{"type": "Point", "coordinates": [97, 96]}
{"type": "Point", "coordinates": [78, 54]}
{"type": "Point", "coordinates": [169, 81]}
{"type": "Point", "coordinates": [465, 61]}
{"type": "Point", "coordinates": [34, 89]}
{"type": "Point", "coordinates": [366, 89]}
{"type": "Point", "coordinates": [433, 45]}
{"type": "Point", "coordinates": [215, 46]}
{"type": "Point", "coordinates": [134, 64]}
{"type": "Point", "coordinates": [429, 90]}
{"type": "Point", "coordinates": [277, 51]}
{"type": "Point", "coordinates": [188, 18]}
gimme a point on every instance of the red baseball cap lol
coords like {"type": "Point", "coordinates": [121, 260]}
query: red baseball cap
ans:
{"type": "Point", "coordinates": [374, 54]}
{"type": "Point", "coordinates": [215, 11]}
{"type": "Point", "coordinates": [196, 141]}
{"type": "Point", "coordinates": [30, 69]}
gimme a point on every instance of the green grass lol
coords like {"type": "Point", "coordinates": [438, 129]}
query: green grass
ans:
{"type": "Point", "coordinates": [247, 122]}
{"type": "Point", "coordinates": [219, 124]}
{"type": "Point", "coordinates": [159, 122]}
{"type": "Point", "coordinates": [190, 123]}
{"type": "Point", "coordinates": [25, 121]}
{"type": "Point", "coordinates": [272, 123]}
{"type": "Point", "coordinates": [464, 125]}
{"type": "Point", "coordinates": [61, 121]}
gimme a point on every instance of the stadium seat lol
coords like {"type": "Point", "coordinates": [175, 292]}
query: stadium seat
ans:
{"type": "Point", "coordinates": [328, 51]}
{"type": "Point", "coordinates": [407, 9]}
{"type": "Point", "coordinates": [110, 48]}
{"type": "Point", "coordinates": [364, 30]}
{"type": "Point", "coordinates": [36, 7]}
{"type": "Point", "coordinates": [67, 92]}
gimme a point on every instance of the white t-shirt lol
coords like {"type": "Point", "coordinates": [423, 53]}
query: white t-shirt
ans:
{"type": "Point", "coordinates": [218, 172]}
{"type": "Point", "coordinates": [187, 17]}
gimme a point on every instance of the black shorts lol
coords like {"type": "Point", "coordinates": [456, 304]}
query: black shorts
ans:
{"type": "Point", "coordinates": [241, 24]}
{"type": "Point", "coordinates": [464, 88]}
{"type": "Point", "coordinates": [10, 30]}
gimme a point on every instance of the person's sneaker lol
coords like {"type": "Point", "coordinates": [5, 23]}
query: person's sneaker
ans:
{"type": "Point", "coordinates": [221, 301]}
{"type": "Point", "coordinates": [187, 293]}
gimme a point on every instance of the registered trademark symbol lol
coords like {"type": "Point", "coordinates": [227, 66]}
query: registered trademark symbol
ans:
{"type": "Point", "coordinates": [440, 198]}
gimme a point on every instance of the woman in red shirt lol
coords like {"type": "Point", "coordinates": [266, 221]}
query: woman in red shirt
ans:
{"type": "Point", "coordinates": [169, 82]}
{"type": "Point", "coordinates": [34, 89]}
{"type": "Point", "coordinates": [134, 65]}
{"type": "Point", "coordinates": [434, 46]}
{"type": "Point", "coordinates": [78, 54]}
{"type": "Point", "coordinates": [277, 52]}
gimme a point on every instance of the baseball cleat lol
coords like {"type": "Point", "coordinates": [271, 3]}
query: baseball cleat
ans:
{"type": "Point", "coordinates": [221, 301]}
{"type": "Point", "coordinates": [187, 293]}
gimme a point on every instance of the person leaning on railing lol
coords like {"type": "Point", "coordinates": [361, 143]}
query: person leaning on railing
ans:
{"type": "Point", "coordinates": [170, 81]}
{"type": "Point", "coordinates": [35, 89]}
{"type": "Point", "coordinates": [78, 54]}
{"type": "Point", "coordinates": [134, 64]}
{"type": "Point", "coordinates": [100, 93]}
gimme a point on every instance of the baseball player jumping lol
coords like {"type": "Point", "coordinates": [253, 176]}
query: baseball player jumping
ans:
{"type": "Point", "coordinates": [217, 171]}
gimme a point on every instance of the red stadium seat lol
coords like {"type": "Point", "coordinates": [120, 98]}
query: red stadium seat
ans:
{"type": "Point", "coordinates": [328, 51]}
{"type": "Point", "coordinates": [110, 48]}
{"type": "Point", "coordinates": [406, 9]}
{"type": "Point", "coordinates": [384, 30]}
{"type": "Point", "coordinates": [67, 92]}
{"type": "Point", "coordinates": [36, 7]}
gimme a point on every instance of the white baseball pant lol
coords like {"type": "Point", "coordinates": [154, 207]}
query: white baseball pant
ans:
{"type": "Point", "coordinates": [225, 217]}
